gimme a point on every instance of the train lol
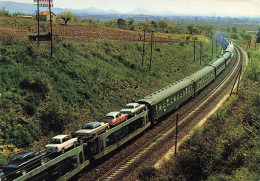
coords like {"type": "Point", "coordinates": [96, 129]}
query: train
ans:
{"type": "Point", "coordinates": [154, 106]}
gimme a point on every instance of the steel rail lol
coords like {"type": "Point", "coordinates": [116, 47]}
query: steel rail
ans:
{"type": "Point", "coordinates": [118, 170]}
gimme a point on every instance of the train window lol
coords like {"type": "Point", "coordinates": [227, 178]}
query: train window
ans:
{"type": "Point", "coordinates": [175, 98]}
{"type": "Point", "coordinates": [168, 101]}
{"type": "Point", "coordinates": [160, 107]}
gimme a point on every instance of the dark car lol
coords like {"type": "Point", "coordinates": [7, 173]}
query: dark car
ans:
{"type": "Point", "coordinates": [62, 167]}
{"type": "Point", "coordinates": [22, 163]}
{"type": "Point", "coordinates": [91, 125]}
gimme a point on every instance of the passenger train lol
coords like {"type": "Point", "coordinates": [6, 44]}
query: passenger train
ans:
{"type": "Point", "coordinates": [154, 107]}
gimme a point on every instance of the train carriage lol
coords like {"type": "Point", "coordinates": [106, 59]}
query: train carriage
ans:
{"type": "Point", "coordinates": [219, 65]}
{"type": "Point", "coordinates": [230, 49]}
{"type": "Point", "coordinates": [168, 98]}
{"type": "Point", "coordinates": [227, 57]}
{"type": "Point", "coordinates": [202, 78]}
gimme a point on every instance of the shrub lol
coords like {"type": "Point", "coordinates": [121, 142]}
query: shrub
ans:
{"type": "Point", "coordinates": [54, 119]}
{"type": "Point", "coordinates": [38, 83]}
{"type": "Point", "coordinates": [181, 44]}
{"type": "Point", "coordinates": [147, 173]}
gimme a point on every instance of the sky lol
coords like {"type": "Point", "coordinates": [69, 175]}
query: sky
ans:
{"type": "Point", "coordinates": [231, 8]}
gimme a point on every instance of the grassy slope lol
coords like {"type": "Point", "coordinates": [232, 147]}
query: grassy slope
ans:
{"type": "Point", "coordinates": [227, 148]}
{"type": "Point", "coordinates": [81, 83]}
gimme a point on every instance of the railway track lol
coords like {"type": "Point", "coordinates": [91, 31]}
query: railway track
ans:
{"type": "Point", "coordinates": [145, 147]}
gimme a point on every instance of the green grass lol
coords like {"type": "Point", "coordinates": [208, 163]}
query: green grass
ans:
{"type": "Point", "coordinates": [81, 83]}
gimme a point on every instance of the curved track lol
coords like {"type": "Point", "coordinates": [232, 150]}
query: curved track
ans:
{"type": "Point", "coordinates": [151, 146]}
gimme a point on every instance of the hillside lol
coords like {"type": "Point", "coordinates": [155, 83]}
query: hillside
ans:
{"type": "Point", "coordinates": [41, 97]}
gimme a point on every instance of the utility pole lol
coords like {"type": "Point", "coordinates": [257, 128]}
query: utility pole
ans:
{"type": "Point", "coordinates": [249, 42]}
{"type": "Point", "coordinates": [222, 47]}
{"type": "Point", "coordinates": [194, 46]}
{"type": "Point", "coordinates": [176, 134]}
{"type": "Point", "coordinates": [143, 49]}
{"type": "Point", "coordinates": [144, 44]}
{"type": "Point", "coordinates": [200, 51]}
{"type": "Point", "coordinates": [237, 78]}
{"type": "Point", "coordinates": [212, 42]}
{"type": "Point", "coordinates": [38, 20]}
{"type": "Point", "coordinates": [51, 26]}
{"type": "Point", "coordinates": [216, 48]}
{"type": "Point", "coordinates": [151, 50]}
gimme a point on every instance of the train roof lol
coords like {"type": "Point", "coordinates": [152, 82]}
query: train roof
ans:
{"type": "Point", "coordinates": [165, 92]}
{"type": "Point", "coordinates": [230, 48]}
{"type": "Point", "coordinates": [218, 62]}
{"type": "Point", "coordinates": [226, 55]}
{"type": "Point", "coordinates": [213, 61]}
{"type": "Point", "coordinates": [197, 75]}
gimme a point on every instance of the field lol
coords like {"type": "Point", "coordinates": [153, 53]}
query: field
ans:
{"type": "Point", "coordinates": [81, 33]}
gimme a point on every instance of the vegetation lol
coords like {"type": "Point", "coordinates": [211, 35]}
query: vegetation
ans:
{"type": "Point", "coordinates": [66, 16]}
{"type": "Point", "coordinates": [81, 83]}
{"type": "Point", "coordinates": [4, 13]}
{"type": "Point", "coordinates": [226, 148]}
{"type": "Point", "coordinates": [41, 97]}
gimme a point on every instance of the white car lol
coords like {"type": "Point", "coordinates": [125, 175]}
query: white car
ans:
{"type": "Point", "coordinates": [60, 143]}
{"type": "Point", "coordinates": [132, 108]}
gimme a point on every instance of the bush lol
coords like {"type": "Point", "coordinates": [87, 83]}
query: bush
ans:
{"type": "Point", "coordinates": [234, 36]}
{"type": "Point", "coordinates": [181, 44]}
{"type": "Point", "coordinates": [37, 83]}
{"type": "Point", "coordinates": [146, 173]}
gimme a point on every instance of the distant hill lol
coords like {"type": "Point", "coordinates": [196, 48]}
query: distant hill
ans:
{"type": "Point", "coordinates": [14, 7]}
{"type": "Point", "coordinates": [27, 8]}
{"type": "Point", "coordinates": [30, 8]}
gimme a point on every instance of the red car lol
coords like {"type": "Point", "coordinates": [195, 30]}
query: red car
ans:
{"type": "Point", "coordinates": [114, 118]}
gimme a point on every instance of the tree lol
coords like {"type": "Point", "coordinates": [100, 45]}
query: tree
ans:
{"type": "Point", "coordinates": [234, 29]}
{"type": "Point", "coordinates": [208, 30]}
{"type": "Point", "coordinates": [111, 23]}
{"type": "Point", "coordinates": [121, 23]}
{"type": "Point", "coordinates": [228, 29]}
{"type": "Point", "coordinates": [66, 16]}
{"type": "Point", "coordinates": [4, 13]}
{"type": "Point", "coordinates": [192, 28]}
{"type": "Point", "coordinates": [162, 24]}
{"type": "Point", "coordinates": [131, 24]}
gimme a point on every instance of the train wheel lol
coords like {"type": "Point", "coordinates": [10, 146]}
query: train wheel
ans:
{"type": "Point", "coordinates": [62, 150]}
